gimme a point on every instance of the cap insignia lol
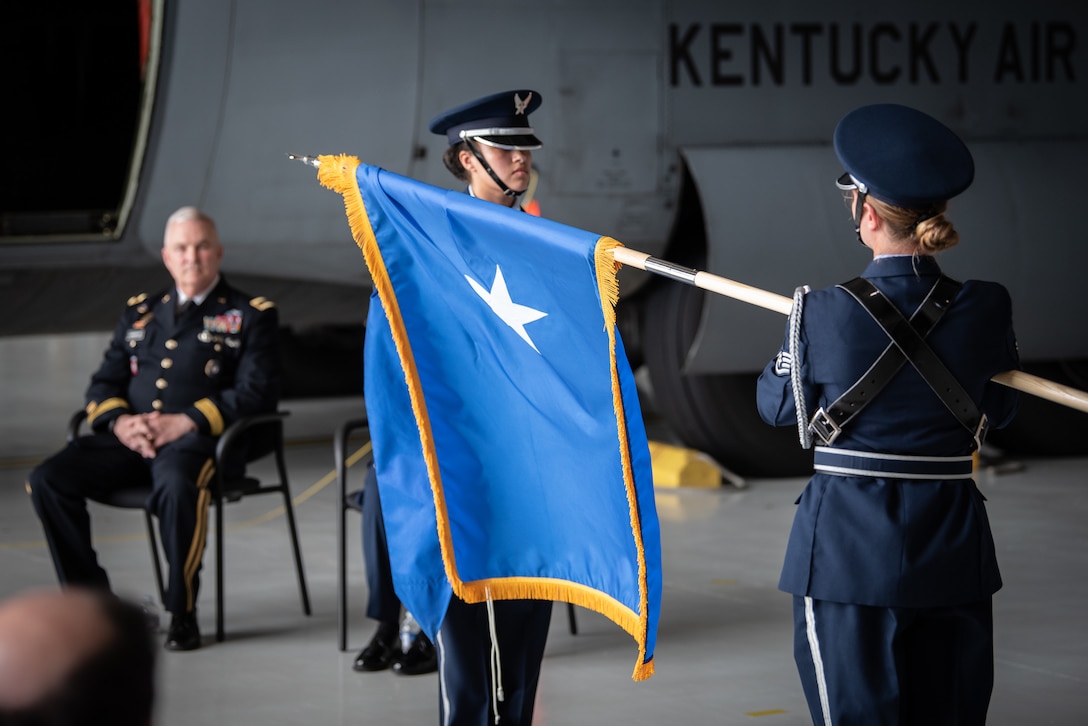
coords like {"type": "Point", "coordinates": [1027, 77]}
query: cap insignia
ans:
{"type": "Point", "coordinates": [520, 105]}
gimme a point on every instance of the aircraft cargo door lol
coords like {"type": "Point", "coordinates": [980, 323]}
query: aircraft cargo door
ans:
{"type": "Point", "coordinates": [605, 154]}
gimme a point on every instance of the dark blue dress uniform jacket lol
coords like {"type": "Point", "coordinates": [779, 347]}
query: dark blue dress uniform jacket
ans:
{"type": "Point", "coordinates": [889, 542]}
{"type": "Point", "coordinates": [215, 363]}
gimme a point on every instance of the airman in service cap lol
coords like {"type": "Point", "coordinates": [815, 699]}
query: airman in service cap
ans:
{"type": "Point", "coordinates": [901, 156]}
{"type": "Point", "coordinates": [500, 120]}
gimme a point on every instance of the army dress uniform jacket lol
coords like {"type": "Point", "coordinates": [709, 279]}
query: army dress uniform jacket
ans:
{"type": "Point", "coordinates": [884, 541]}
{"type": "Point", "coordinates": [215, 362]}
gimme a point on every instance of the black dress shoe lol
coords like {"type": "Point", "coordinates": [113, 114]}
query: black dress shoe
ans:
{"type": "Point", "coordinates": [382, 650]}
{"type": "Point", "coordinates": [184, 633]}
{"type": "Point", "coordinates": [420, 658]}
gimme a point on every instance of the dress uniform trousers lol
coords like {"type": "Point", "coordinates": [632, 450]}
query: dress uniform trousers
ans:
{"type": "Point", "coordinates": [96, 465]}
{"type": "Point", "coordinates": [464, 661]}
{"type": "Point", "coordinates": [894, 666]}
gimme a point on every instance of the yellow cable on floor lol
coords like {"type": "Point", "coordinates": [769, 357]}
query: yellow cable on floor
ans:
{"type": "Point", "coordinates": [312, 490]}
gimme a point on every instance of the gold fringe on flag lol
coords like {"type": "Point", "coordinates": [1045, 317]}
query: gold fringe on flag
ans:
{"type": "Point", "coordinates": [609, 287]}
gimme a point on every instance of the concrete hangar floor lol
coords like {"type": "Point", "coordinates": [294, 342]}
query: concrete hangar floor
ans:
{"type": "Point", "coordinates": [724, 653]}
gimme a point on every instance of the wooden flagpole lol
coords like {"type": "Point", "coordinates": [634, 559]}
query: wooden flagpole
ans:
{"type": "Point", "coordinates": [1036, 386]}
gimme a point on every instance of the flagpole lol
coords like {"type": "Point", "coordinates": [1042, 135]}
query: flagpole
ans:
{"type": "Point", "coordinates": [1026, 382]}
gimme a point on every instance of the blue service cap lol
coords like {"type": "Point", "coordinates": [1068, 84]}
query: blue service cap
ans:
{"type": "Point", "coordinates": [901, 156]}
{"type": "Point", "coordinates": [501, 120]}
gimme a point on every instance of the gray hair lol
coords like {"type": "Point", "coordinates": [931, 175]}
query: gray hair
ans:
{"type": "Point", "coordinates": [190, 214]}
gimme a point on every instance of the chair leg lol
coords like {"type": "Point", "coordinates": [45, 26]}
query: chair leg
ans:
{"type": "Point", "coordinates": [340, 457]}
{"type": "Point", "coordinates": [304, 593]}
{"type": "Point", "coordinates": [219, 634]}
{"type": "Point", "coordinates": [572, 621]}
{"type": "Point", "coordinates": [339, 454]}
{"type": "Point", "coordinates": [153, 539]}
{"type": "Point", "coordinates": [341, 581]}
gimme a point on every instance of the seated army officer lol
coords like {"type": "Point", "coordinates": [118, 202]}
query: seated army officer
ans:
{"type": "Point", "coordinates": [183, 365]}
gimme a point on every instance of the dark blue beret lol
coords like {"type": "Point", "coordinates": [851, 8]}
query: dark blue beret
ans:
{"type": "Point", "coordinates": [902, 156]}
{"type": "Point", "coordinates": [501, 119]}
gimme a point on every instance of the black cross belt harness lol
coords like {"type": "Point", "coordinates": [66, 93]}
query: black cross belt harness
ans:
{"type": "Point", "coordinates": [907, 345]}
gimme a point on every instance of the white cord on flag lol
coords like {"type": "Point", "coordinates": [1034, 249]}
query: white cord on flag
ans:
{"type": "Point", "coordinates": [803, 432]}
{"type": "Point", "coordinates": [496, 664]}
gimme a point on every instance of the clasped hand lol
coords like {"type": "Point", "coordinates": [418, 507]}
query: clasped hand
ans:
{"type": "Point", "coordinates": [146, 433]}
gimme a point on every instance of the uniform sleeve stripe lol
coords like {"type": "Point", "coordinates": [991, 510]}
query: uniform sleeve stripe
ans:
{"type": "Point", "coordinates": [94, 410]}
{"type": "Point", "coordinates": [211, 412]}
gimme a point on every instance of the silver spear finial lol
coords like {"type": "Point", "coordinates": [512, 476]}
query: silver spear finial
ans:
{"type": "Point", "coordinates": [310, 160]}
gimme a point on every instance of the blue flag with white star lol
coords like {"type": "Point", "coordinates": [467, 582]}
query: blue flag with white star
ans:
{"type": "Point", "coordinates": [508, 438]}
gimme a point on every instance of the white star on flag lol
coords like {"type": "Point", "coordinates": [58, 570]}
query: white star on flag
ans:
{"type": "Point", "coordinates": [510, 312]}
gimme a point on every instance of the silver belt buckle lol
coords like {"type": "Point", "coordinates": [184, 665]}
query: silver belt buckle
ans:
{"type": "Point", "coordinates": [823, 426]}
{"type": "Point", "coordinates": [981, 430]}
